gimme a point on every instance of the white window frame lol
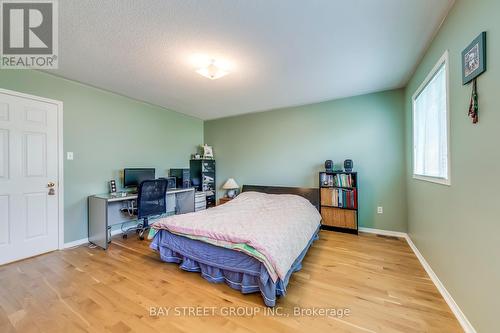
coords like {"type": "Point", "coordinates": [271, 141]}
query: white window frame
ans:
{"type": "Point", "coordinates": [443, 60]}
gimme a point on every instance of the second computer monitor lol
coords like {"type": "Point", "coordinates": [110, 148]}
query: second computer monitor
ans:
{"type": "Point", "coordinates": [132, 177]}
{"type": "Point", "coordinates": [182, 177]}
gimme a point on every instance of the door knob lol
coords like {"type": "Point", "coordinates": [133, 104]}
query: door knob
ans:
{"type": "Point", "coordinates": [50, 184]}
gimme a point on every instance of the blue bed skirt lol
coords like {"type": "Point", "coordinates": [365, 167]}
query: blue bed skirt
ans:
{"type": "Point", "coordinates": [217, 264]}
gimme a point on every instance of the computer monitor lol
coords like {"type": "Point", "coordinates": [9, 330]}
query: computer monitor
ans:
{"type": "Point", "coordinates": [132, 177]}
{"type": "Point", "coordinates": [182, 177]}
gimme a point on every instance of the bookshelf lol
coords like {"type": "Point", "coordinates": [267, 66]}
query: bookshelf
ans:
{"type": "Point", "coordinates": [202, 173]}
{"type": "Point", "coordinates": [338, 193]}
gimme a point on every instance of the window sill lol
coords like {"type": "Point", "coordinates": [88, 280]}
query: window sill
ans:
{"type": "Point", "coordinates": [441, 181]}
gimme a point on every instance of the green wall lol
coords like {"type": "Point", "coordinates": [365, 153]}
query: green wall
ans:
{"type": "Point", "coordinates": [457, 227]}
{"type": "Point", "coordinates": [289, 146]}
{"type": "Point", "coordinates": [107, 132]}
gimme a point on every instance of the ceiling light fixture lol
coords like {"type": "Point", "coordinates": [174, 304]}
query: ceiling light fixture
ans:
{"type": "Point", "coordinates": [213, 70]}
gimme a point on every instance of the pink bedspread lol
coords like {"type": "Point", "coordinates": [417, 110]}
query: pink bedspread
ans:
{"type": "Point", "coordinates": [278, 226]}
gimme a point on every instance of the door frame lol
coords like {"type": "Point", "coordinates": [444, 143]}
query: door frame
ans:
{"type": "Point", "coordinates": [60, 155]}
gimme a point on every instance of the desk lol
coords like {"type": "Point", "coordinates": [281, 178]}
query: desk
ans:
{"type": "Point", "coordinates": [105, 211]}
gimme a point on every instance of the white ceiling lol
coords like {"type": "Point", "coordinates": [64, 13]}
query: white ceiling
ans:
{"type": "Point", "coordinates": [285, 52]}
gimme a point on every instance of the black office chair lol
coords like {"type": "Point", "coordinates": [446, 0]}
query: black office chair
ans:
{"type": "Point", "coordinates": [151, 202]}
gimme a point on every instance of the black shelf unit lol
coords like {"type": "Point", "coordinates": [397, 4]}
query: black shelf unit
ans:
{"type": "Point", "coordinates": [203, 178]}
{"type": "Point", "coordinates": [342, 218]}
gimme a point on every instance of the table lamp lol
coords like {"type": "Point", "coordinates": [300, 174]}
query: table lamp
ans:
{"type": "Point", "coordinates": [231, 186]}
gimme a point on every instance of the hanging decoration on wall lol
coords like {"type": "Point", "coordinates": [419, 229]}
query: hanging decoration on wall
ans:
{"type": "Point", "coordinates": [473, 65]}
{"type": "Point", "coordinates": [473, 106]}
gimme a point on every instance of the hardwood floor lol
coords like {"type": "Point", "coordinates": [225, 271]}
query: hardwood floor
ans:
{"type": "Point", "coordinates": [378, 279]}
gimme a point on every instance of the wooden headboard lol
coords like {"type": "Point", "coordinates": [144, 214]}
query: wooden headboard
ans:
{"type": "Point", "coordinates": [311, 194]}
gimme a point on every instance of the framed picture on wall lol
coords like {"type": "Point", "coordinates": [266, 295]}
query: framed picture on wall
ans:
{"type": "Point", "coordinates": [474, 59]}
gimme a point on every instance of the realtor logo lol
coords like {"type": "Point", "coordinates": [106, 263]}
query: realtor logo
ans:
{"type": "Point", "coordinates": [29, 34]}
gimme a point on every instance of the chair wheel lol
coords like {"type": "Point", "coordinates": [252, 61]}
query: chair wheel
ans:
{"type": "Point", "coordinates": [124, 236]}
{"type": "Point", "coordinates": [141, 237]}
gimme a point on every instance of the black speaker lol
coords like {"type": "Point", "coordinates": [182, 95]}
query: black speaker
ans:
{"type": "Point", "coordinates": [348, 165]}
{"type": "Point", "coordinates": [112, 186]}
{"type": "Point", "coordinates": [329, 165]}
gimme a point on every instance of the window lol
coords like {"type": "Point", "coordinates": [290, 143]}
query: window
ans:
{"type": "Point", "coordinates": [430, 126]}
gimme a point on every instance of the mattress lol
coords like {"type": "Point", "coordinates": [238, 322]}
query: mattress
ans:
{"type": "Point", "coordinates": [217, 264]}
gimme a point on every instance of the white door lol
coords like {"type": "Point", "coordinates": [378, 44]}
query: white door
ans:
{"type": "Point", "coordinates": [28, 177]}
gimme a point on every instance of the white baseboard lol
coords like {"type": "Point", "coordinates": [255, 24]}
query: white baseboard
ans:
{"type": "Point", "coordinates": [462, 319]}
{"type": "Point", "coordinates": [76, 243]}
{"type": "Point", "coordinates": [85, 240]}
{"type": "Point", "coordinates": [116, 232]}
{"type": "Point", "coordinates": [384, 232]}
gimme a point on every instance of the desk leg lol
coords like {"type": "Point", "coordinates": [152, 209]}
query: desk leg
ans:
{"type": "Point", "coordinates": [185, 202]}
{"type": "Point", "coordinates": [98, 225]}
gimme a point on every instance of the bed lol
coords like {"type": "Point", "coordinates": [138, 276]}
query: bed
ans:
{"type": "Point", "coordinates": [253, 243]}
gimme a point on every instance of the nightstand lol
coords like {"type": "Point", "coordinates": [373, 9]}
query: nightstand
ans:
{"type": "Point", "coordinates": [223, 200]}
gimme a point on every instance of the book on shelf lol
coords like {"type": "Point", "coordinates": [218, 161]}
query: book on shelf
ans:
{"type": "Point", "coordinates": [344, 198]}
{"type": "Point", "coordinates": [337, 180]}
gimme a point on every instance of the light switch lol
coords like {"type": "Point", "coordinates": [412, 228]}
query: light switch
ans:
{"type": "Point", "coordinates": [380, 210]}
{"type": "Point", "coordinates": [69, 155]}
